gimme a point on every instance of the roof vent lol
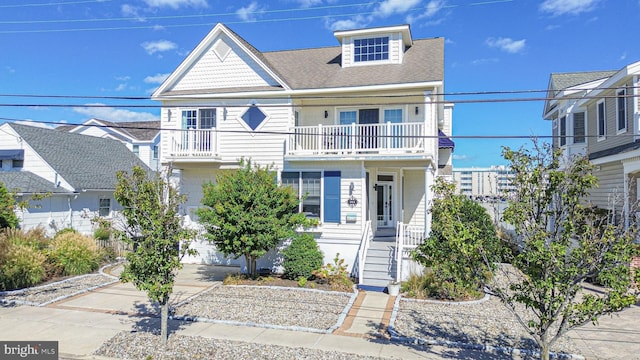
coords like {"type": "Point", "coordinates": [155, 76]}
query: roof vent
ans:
{"type": "Point", "coordinates": [221, 49]}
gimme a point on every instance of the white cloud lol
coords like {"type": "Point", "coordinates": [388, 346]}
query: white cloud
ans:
{"type": "Point", "coordinates": [461, 157]}
{"type": "Point", "coordinates": [115, 115]}
{"type": "Point", "coordinates": [175, 4]}
{"type": "Point", "coordinates": [132, 11]}
{"type": "Point", "coordinates": [572, 7]}
{"type": "Point", "coordinates": [356, 22]}
{"type": "Point", "coordinates": [156, 79]}
{"type": "Point", "coordinates": [121, 87]}
{"type": "Point", "coordinates": [35, 123]}
{"type": "Point", "coordinates": [484, 61]}
{"type": "Point", "coordinates": [248, 12]}
{"type": "Point", "coordinates": [507, 44]}
{"type": "Point", "coordinates": [390, 7]}
{"type": "Point", "coordinates": [152, 47]}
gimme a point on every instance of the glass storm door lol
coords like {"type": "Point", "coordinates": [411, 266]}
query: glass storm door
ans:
{"type": "Point", "coordinates": [384, 205]}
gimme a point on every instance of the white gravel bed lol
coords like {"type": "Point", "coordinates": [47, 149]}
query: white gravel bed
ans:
{"type": "Point", "coordinates": [260, 305]}
{"type": "Point", "coordinates": [127, 345]}
{"type": "Point", "coordinates": [488, 323]}
{"type": "Point", "coordinates": [46, 294]}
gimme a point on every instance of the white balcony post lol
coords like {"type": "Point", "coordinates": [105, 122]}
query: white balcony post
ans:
{"type": "Point", "coordinates": [388, 135]}
{"type": "Point", "coordinates": [319, 138]}
{"type": "Point", "coordinates": [353, 137]}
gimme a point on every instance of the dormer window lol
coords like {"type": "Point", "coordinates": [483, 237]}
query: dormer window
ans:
{"type": "Point", "coordinates": [371, 49]}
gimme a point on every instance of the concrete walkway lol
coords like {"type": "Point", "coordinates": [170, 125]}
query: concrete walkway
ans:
{"type": "Point", "coordinates": [82, 323]}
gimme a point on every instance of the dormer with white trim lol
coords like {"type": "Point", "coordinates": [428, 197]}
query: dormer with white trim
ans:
{"type": "Point", "coordinates": [374, 46]}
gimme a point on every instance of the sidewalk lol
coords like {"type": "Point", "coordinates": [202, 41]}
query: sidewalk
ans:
{"type": "Point", "coordinates": [82, 323]}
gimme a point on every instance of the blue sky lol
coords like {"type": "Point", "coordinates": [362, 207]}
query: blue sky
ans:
{"type": "Point", "coordinates": [106, 48]}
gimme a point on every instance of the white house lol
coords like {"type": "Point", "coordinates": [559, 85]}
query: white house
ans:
{"type": "Point", "coordinates": [77, 172]}
{"type": "Point", "coordinates": [358, 127]}
{"type": "Point", "coordinates": [140, 137]}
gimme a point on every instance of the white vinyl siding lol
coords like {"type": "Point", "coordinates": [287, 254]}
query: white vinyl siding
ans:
{"type": "Point", "coordinates": [237, 70]}
{"type": "Point", "coordinates": [414, 197]}
{"type": "Point", "coordinates": [610, 185]}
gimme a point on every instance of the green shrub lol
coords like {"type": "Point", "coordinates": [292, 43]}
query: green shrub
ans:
{"type": "Point", "coordinates": [35, 238]}
{"type": "Point", "coordinates": [335, 275]}
{"type": "Point", "coordinates": [21, 266]}
{"type": "Point", "coordinates": [102, 233]}
{"type": "Point", "coordinates": [65, 231]}
{"type": "Point", "coordinates": [302, 257]}
{"type": "Point", "coordinates": [74, 254]}
{"type": "Point", "coordinates": [427, 285]}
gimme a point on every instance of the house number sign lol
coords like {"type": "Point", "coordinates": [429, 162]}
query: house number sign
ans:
{"type": "Point", "coordinates": [352, 201]}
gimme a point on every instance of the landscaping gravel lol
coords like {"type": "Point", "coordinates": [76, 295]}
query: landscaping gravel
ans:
{"type": "Point", "coordinates": [127, 345]}
{"type": "Point", "coordinates": [45, 294]}
{"type": "Point", "coordinates": [286, 307]}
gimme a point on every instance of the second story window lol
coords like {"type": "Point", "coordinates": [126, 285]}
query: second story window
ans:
{"type": "Point", "coordinates": [602, 120]}
{"type": "Point", "coordinates": [578, 128]}
{"type": "Point", "coordinates": [621, 109]}
{"type": "Point", "coordinates": [371, 49]}
{"type": "Point", "coordinates": [563, 131]}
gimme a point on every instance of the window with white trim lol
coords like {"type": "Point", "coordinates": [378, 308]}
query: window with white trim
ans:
{"type": "Point", "coordinates": [601, 119]}
{"type": "Point", "coordinates": [563, 131]}
{"type": "Point", "coordinates": [136, 149]}
{"type": "Point", "coordinates": [104, 207]}
{"type": "Point", "coordinates": [371, 49]}
{"type": "Point", "coordinates": [621, 109]}
{"type": "Point", "coordinates": [155, 151]}
{"type": "Point", "coordinates": [316, 196]}
{"type": "Point", "coordinates": [579, 129]}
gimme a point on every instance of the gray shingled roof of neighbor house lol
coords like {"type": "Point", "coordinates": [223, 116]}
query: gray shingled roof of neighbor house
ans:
{"type": "Point", "coordinates": [138, 130]}
{"type": "Point", "coordinates": [26, 182]}
{"type": "Point", "coordinates": [561, 81]}
{"type": "Point", "coordinates": [86, 162]}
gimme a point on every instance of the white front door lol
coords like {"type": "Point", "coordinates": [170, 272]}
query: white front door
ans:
{"type": "Point", "coordinates": [384, 211]}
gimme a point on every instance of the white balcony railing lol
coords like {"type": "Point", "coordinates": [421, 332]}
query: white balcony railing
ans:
{"type": "Point", "coordinates": [408, 237]}
{"type": "Point", "coordinates": [193, 143]}
{"type": "Point", "coordinates": [387, 138]}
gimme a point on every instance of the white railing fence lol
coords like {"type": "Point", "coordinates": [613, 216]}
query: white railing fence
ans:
{"type": "Point", "coordinates": [367, 236]}
{"type": "Point", "coordinates": [357, 138]}
{"type": "Point", "coordinates": [408, 237]}
{"type": "Point", "coordinates": [193, 142]}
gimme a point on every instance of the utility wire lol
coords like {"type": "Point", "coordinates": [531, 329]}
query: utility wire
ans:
{"type": "Point", "coordinates": [308, 97]}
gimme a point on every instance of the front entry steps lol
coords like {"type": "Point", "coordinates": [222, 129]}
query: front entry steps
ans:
{"type": "Point", "coordinates": [380, 263]}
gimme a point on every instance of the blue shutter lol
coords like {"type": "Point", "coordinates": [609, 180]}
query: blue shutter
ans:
{"type": "Point", "coordinates": [332, 196]}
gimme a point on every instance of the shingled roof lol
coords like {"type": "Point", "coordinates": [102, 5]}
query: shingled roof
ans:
{"type": "Point", "coordinates": [26, 182]}
{"type": "Point", "coordinates": [561, 81]}
{"type": "Point", "coordinates": [86, 162]}
{"type": "Point", "coordinates": [137, 130]}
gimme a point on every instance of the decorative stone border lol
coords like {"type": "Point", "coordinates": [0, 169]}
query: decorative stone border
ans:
{"type": "Point", "coordinates": [338, 324]}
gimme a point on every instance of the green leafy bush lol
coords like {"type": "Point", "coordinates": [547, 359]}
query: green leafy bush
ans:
{"type": "Point", "coordinates": [20, 266]}
{"type": "Point", "coordinates": [335, 275]}
{"type": "Point", "coordinates": [302, 257]}
{"type": "Point", "coordinates": [74, 254]}
{"type": "Point", "coordinates": [35, 238]}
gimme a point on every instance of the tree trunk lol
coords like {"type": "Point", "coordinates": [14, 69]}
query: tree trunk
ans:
{"type": "Point", "coordinates": [544, 352]}
{"type": "Point", "coordinates": [251, 265]}
{"type": "Point", "coordinates": [164, 320]}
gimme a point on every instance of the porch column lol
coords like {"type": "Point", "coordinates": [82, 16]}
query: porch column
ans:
{"type": "Point", "coordinates": [429, 176]}
{"type": "Point", "coordinates": [430, 125]}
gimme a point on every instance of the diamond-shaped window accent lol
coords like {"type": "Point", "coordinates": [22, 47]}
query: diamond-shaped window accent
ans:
{"type": "Point", "coordinates": [253, 117]}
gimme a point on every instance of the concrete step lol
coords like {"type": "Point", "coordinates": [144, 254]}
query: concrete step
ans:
{"type": "Point", "coordinates": [376, 282]}
{"type": "Point", "coordinates": [379, 267]}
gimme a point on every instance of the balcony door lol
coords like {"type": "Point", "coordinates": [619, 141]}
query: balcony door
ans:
{"type": "Point", "coordinates": [370, 118]}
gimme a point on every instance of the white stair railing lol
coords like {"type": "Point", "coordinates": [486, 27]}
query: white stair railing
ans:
{"type": "Point", "coordinates": [367, 236]}
{"type": "Point", "coordinates": [408, 237]}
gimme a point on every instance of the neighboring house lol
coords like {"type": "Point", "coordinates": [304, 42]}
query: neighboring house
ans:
{"type": "Point", "coordinates": [77, 172]}
{"type": "Point", "coordinates": [357, 129]}
{"type": "Point", "coordinates": [598, 114]}
{"type": "Point", "coordinates": [484, 183]}
{"type": "Point", "coordinates": [140, 137]}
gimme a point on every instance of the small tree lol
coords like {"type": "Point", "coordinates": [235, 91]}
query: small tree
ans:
{"type": "Point", "coordinates": [461, 238]}
{"type": "Point", "coordinates": [247, 214]}
{"type": "Point", "coordinates": [564, 242]}
{"type": "Point", "coordinates": [153, 226]}
{"type": "Point", "coordinates": [8, 218]}
{"type": "Point", "coordinates": [302, 257]}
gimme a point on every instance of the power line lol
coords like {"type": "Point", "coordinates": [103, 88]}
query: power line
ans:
{"type": "Point", "coordinates": [310, 97]}
{"type": "Point", "coordinates": [265, 132]}
{"type": "Point", "coordinates": [52, 3]}
{"type": "Point", "coordinates": [435, 101]}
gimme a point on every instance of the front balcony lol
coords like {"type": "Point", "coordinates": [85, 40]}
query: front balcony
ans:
{"type": "Point", "coordinates": [358, 140]}
{"type": "Point", "coordinates": [192, 144]}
